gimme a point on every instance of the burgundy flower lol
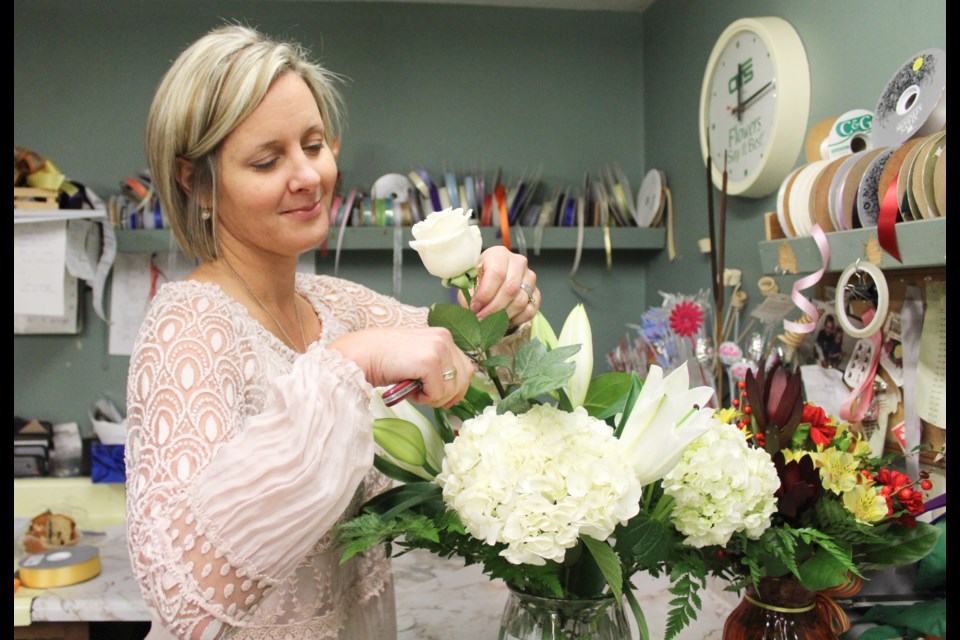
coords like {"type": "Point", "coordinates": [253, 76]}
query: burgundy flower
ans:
{"type": "Point", "coordinates": [776, 404]}
{"type": "Point", "coordinates": [800, 486]}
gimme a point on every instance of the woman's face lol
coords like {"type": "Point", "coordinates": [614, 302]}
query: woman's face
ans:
{"type": "Point", "coordinates": [277, 175]}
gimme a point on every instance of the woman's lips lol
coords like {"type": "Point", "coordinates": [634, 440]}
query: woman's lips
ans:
{"type": "Point", "coordinates": [307, 212]}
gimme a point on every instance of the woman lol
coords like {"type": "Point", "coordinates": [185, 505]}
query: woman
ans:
{"type": "Point", "coordinates": [249, 430]}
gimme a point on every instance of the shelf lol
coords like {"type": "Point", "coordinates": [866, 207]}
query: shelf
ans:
{"type": "Point", "coordinates": [381, 239]}
{"type": "Point", "coordinates": [922, 243]}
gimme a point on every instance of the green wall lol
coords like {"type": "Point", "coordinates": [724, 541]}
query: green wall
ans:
{"type": "Point", "coordinates": [560, 93]}
{"type": "Point", "coordinates": [557, 93]}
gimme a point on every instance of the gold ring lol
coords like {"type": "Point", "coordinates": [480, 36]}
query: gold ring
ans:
{"type": "Point", "coordinates": [449, 375]}
{"type": "Point", "coordinates": [529, 291]}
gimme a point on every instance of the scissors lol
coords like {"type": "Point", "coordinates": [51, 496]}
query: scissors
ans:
{"type": "Point", "coordinates": [400, 391]}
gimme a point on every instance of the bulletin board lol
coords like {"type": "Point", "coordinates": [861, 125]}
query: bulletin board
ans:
{"type": "Point", "coordinates": [927, 280]}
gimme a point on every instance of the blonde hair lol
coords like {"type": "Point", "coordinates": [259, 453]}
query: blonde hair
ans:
{"type": "Point", "coordinates": [208, 91]}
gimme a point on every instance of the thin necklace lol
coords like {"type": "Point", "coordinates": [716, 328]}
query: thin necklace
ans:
{"type": "Point", "coordinates": [296, 308]}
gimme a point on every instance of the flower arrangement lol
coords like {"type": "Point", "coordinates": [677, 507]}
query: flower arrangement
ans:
{"type": "Point", "coordinates": [781, 489]}
{"type": "Point", "coordinates": [566, 485]}
{"type": "Point", "coordinates": [539, 473]}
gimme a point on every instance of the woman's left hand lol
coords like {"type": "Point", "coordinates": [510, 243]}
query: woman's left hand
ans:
{"type": "Point", "coordinates": [505, 283]}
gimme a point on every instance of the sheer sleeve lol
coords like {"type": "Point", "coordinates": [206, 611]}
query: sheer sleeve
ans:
{"type": "Point", "coordinates": [361, 308]}
{"type": "Point", "coordinates": [236, 465]}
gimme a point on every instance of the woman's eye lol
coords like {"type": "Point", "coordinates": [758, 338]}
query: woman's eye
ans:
{"type": "Point", "coordinates": [265, 165]}
{"type": "Point", "coordinates": [314, 148]}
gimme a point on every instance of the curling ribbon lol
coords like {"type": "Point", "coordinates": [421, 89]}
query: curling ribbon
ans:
{"type": "Point", "coordinates": [802, 303]}
{"type": "Point", "coordinates": [671, 246]}
{"type": "Point", "coordinates": [426, 186]}
{"type": "Point", "coordinates": [347, 210]}
{"type": "Point", "coordinates": [837, 618]}
{"type": "Point", "coordinates": [501, 194]}
{"type": "Point", "coordinates": [608, 245]}
{"type": "Point", "coordinates": [887, 221]}
{"type": "Point", "coordinates": [862, 396]}
{"type": "Point", "coordinates": [911, 325]}
{"type": "Point", "coordinates": [579, 250]}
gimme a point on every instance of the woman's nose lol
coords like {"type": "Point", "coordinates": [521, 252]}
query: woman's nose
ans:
{"type": "Point", "coordinates": [306, 174]}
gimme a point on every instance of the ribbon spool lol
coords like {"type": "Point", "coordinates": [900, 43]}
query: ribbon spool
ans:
{"type": "Point", "coordinates": [850, 133]}
{"type": "Point", "coordinates": [849, 176]}
{"type": "Point", "coordinates": [883, 299]}
{"type": "Point", "coordinates": [800, 196]}
{"type": "Point", "coordinates": [650, 199]}
{"type": "Point", "coordinates": [868, 198]}
{"type": "Point", "coordinates": [783, 210]}
{"type": "Point", "coordinates": [914, 102]}
{"type": "Point", "coordinates": [60, 568]}
{"type": "Point", "coordinates": [817, 138]}
{"type": "Point", "coordinates": [922, 182]}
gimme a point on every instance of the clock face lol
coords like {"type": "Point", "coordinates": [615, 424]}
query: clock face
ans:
{"type": "Point", "coordinates": [754, 104]}
{"type": "Point", "coordinates": [743, 96]}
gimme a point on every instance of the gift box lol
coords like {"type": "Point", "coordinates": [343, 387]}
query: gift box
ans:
{"type": "Point", "coordinates": [106, 463]}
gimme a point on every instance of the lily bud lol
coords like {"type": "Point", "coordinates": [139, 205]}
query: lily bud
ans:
{"type": "Point", "coordinates": [576, 330]}
{"type": "Point", "coordinates": [541, 330]}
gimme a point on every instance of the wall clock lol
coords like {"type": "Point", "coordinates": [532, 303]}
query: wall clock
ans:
{"type": "Point", "coordinates": [754, 104]}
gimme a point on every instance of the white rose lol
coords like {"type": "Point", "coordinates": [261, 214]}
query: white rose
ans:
{"type": "Point", "coordinates": [448, 244]}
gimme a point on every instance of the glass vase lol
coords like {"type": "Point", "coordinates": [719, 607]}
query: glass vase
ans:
{"type": "Point", "coordinates": [779, 609]}
{"type": "Point", "coordinates": [527, 617]}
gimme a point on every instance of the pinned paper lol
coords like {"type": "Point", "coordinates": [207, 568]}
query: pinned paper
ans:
{"type": "Point", "coordinates": [932, 368]}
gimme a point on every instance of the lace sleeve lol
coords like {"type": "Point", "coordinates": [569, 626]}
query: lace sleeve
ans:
{"type": "Point", "coordinates": [232, 477]}
{"type": "Point", "coordinates": [361, 308]}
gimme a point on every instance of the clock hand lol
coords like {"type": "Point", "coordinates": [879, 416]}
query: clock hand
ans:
{"type": "Point", "coordinates": [753, 98]}
{"type": "Point", "coordinates": [739, 92]}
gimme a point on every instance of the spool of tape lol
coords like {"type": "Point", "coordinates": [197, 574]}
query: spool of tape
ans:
{"type": "Point", "coordinates": [868, 195]}
{"type": "Point", "coordinates": [883, 299]}
{"type": "Point", "coordinates": [836, 190]}
{"type": "Point", "coordinates": [801, 215]}
{"type": "Point", "coordinates": [816, 139]}
{"type": "Point", "coordinates": [650, 199]}
{"type": "Point", "coordinates": [821, 196]}
{"type": "Point", "coordinates": [940, 183]}
{"type": "Point", "coordinates": [894, 166]}
{"type": "Point", "coordinates": [914, 102]}
{"type": "Point", "coordinates": [905, 200]}
{"type": "Point", "coordinates": [850, 133]}
{"type": "Point", "coordinates": [783, 215]}
{"type": "Point", "coordinates": [394, 186]}
{"type": "Point", "coordinates": [851, 185]}
{"type": "Point", "coordinates": [60, 568]}
{"type": "Point", "coordinates": [922, 182]}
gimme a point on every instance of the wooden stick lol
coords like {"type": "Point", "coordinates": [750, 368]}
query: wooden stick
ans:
{"type": "Point", "coordinates": [713, 239]}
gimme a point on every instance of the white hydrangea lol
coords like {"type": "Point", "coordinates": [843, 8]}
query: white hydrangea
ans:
{"type": "Point", "coordinates": [722, 485]}
{"type": "Point", "coordinates": [538, 480]}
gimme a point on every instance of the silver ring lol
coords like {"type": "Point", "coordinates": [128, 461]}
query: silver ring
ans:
{"type": "Point", "coordinates": [449, 375]}
{"type": "Point", "coordinates": [529, 291]}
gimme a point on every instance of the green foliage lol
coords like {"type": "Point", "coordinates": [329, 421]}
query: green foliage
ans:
{"type": "Point", "coordinates": [687, 579]}
{"type": "Point", "coordinates": [607, 394]}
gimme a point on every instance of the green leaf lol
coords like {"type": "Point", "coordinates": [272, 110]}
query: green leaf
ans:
{"type": "Point", "coordinates": [493, 328]}
{"type": "Point", "coordinates": [822, 571]}
{"type": "Point", "coordinates": [391, 470]}
{"type": "Point", "coordinates": [543, 371]}
{"type": "Point", "coordinates": [606, 558]}
{"type": "Point", "coordinates": [461, 323]}
{"type": "Point", "coordinates": [926, 617]}
{"type": "Point", "coordinates": [607, 394]}
{"type": "Point", "coordinates": [644, 540]}
{"type": "Point", "coordinates": [900, 546]}
{"type": "Point", "coordinates": [515, 403]}
{"type": "Point", "coordinates": [499, 360]}
{"type": "Point", "coordinates": [641, 619]}
{"type": "Point", "coordinates": [635, 386]}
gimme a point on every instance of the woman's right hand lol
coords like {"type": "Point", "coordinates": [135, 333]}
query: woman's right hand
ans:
{"type": "Point", "coordinates": [427, 354]}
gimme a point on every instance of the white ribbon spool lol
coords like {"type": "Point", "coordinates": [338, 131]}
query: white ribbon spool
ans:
{"type": "Point", "coordinates": [883, 299]}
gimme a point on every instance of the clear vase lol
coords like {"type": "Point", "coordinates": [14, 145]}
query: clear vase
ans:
{"type": "Point", "coordinates": [779, 609]}
{"type": "Point", "coordinates": [527, 617]}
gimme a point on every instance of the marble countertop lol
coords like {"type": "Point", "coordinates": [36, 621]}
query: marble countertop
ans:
{"type": "Point", "coordinates": [437, 598]}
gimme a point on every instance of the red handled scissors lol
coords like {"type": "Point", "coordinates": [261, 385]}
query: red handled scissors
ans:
{"type": "Point", "coordinates": [400, 391]}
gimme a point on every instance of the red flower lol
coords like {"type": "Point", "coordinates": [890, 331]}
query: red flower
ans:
{"type": "Point", "coordinates": [686, 319]}
{"type": "Point", "coordinates": [821, 431]}
{"type": "Point", "coordinates": [775, 396]}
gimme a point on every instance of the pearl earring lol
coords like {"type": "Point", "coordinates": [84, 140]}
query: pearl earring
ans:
{"type": "Point", "coordinates": [205, 213]}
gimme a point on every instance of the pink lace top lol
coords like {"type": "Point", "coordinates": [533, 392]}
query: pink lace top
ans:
{"type": "Point", "coordinates": [241, 456]}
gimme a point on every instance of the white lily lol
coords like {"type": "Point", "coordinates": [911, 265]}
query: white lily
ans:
{"type": "Point", "coordinates": [667, 417]}
{"type": "Point", "coordinates": [429, 445]}
{"type": "Point", "coordinates": [576, 330]}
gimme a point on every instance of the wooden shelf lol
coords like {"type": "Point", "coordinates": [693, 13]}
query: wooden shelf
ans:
{"type": "Point", "coordinates": [922, 243]}
{"type": "Point", "coordinates": [381, 239]}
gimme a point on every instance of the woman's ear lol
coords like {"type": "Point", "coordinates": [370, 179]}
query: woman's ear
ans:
{"type": "Point", "coordinates": [184, 174]}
